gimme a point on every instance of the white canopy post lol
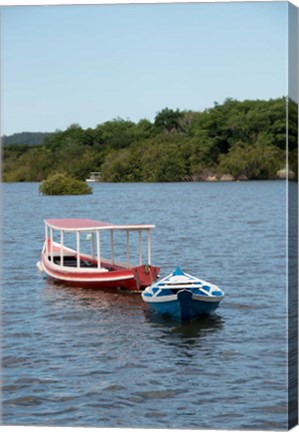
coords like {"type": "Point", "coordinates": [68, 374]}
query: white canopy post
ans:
{"type": "Point", "coordinates": [92, 245]}
{"type": "Point", "coordinates": [61, 247]}
{"type": "Point", "coordinates": [140, 247]}
{"type": "Point", "coordinates": [46, 239]}
{"type": "Point", "coordinates": [98, 249]}
{"type": "Point", "coordinates": [112, 246]}
{"type": "Point", "coordinates": [149, 246]}
{"type": "Point", "coordinates": [78, 248]}
{"type": "Point", "coordinates": [51, 239]}
{"type": "Point", "coordinates": [128, 248]}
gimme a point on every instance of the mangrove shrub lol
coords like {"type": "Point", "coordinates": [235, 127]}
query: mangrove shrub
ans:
{"type": "Point", "coordinates": [64, 184]}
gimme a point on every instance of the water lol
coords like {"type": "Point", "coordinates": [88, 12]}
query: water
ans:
{"type": "Point", "coordinates": [74, 357]}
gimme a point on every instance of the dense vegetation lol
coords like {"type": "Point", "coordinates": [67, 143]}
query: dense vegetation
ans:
{"type": "Point", "coordinates": [246, 139]}
{"type": "Point", "coordinates": [64, 184]}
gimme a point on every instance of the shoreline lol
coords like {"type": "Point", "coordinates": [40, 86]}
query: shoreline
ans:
{"type": "Point", "coordinates": [179, 181]}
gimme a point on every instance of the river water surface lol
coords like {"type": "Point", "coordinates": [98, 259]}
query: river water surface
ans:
{"type": "Point", "coordinates": [75, 357]}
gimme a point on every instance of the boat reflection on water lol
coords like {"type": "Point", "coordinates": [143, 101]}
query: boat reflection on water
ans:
{"type": "Point", "coordinates": [108, 299]}
{"type": "Point", "coordinates": [186, 329]}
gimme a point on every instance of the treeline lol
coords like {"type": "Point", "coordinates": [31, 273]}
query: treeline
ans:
{"type": "Point", "coordinates": [245, 139]}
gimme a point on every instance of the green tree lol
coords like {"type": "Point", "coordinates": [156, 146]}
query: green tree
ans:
{"type": "Point", "coordinates": [116, 166]}
{"type": "Point", "coordinates": [169, 120]}
{"type": "Point", "coordinates": [115, 134]}
{"type": "Point", "coordinates": [255, 162]}
{"type": "Point", "coordinates": [163, 163]}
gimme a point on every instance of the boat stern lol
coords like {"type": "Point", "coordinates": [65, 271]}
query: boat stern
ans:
{"type": "Point", "coordinates": [145, 275]}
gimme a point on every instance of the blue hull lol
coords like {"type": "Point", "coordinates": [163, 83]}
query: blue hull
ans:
{"type": "Point", "coordinates": [184, 308]}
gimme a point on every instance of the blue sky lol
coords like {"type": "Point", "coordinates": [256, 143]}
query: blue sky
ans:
{"type": "Point", "coordinates": [89, 64]}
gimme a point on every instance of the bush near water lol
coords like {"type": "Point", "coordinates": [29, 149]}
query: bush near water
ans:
{"type": "Point", "coordinates": [246, 140]}
{"type": "Point", "coordinates": [64, 184]}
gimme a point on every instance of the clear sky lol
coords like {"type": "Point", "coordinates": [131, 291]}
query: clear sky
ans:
{"type": "Point", "coordinates": [89, 64]}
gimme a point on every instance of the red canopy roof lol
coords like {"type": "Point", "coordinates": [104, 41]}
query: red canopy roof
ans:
{"type": "Point", "coordinates": [75, 224]}
{"type": "Point", "coordinates": [88, 224]}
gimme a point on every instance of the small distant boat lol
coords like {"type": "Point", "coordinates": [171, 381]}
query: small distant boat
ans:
{"type": "Point", "coordinates": [182, 296]}
{"type": "Point", "coordinates": [76, 267]}
{"type": "Point", "coordinates": [94, 176]}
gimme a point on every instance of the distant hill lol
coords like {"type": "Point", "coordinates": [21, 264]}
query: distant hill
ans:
{"type": "Point", "coordinates": [27, 138]}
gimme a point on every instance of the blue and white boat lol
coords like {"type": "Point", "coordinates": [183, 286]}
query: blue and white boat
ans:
{"type": "Point", "coordinates": [182, 296]}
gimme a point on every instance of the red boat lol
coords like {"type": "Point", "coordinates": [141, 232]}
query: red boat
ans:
{"type": "Point", "coordinates": [74, 266]}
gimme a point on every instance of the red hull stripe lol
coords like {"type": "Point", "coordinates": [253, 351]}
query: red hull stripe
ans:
{"type": "Point", "coordinates": [88, 277]}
